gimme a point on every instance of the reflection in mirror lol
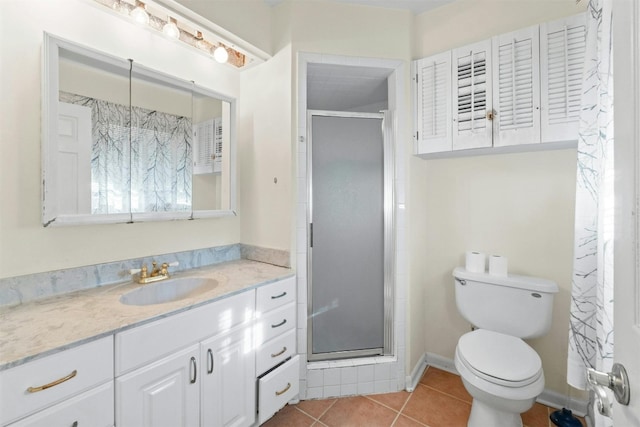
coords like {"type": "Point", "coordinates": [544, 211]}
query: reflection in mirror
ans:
{"type": "Point", "coordinates": [161, 142]}
{"type": "Point", "coordinates": [92, 144]}
{"type": "Point", "coordinates": [211, 127]}
{"type": "Point", "coordinates": [122, 142]}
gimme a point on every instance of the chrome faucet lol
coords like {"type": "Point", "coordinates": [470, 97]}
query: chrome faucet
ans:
{"type": "Point", "coordinates": [156, 274]}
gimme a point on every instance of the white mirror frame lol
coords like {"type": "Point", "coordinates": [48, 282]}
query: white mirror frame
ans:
{"type": "Point", "coordinates": [50, 94]}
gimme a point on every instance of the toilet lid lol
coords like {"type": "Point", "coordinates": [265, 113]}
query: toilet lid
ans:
{"type": "Point", "coordinates": [499, 358]}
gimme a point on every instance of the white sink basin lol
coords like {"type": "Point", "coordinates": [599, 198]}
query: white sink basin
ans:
{"type": "Point", "coordinates": [168, 290]}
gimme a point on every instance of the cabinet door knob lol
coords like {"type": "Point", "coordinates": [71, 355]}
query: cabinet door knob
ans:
{"type": "Point", "coordinates": [279, 296]}
{"type": "Point", "coordinates": [209, 361]}
{"type": "Point", "coordinates": [279, 353]}
{"type": "Point", "coordinates": [195, 370]}
{"type": "Point", "coordinates": [53, 383]}
{"type": "Point", "coordinates": [283, 391]}
{"type": "Point", "coordinates": [279, 324]}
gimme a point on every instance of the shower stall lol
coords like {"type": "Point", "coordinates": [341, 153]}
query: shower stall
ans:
{"type": "Point", "coordinates": [350, 235]}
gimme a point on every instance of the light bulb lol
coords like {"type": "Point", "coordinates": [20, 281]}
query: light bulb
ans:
{"type": "Point", "coordinates": [221, 55]}
{"type": "Point", "coordinates": [170, 29]}
{"type": "Point", "coordinates": [139, 13]}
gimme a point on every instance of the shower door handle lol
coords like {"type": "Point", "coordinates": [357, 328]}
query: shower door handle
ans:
{"type": "Point", "coordinates": [310, 234]}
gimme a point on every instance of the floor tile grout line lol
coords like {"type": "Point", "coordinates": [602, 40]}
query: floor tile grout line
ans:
{"type": "Point", "coordinates": [445, 393]}
{"type": "Point", "coordinates": [411, 418]}
{"type": "Point", "coordinates": [382, 404]}
{"type": "Point", "coordinates": [321, 415]}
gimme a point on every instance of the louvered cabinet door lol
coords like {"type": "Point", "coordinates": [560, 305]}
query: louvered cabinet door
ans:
{"type": "Point", "coordinates": [562, 51]}
{"type": "Point", "coordinates": [516, 86]}
{"type": "Point", "coordinates": [472, 96]}
{"type": "Point", "coordinates": [433, 103]}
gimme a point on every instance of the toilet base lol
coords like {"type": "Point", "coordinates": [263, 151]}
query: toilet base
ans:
{"type": "Point", "coordinates": [483, 415]}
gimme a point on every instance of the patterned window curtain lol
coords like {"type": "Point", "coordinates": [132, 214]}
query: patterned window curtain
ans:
{"type": "Point", "coordinates": [161, 153]}
{"type": "Point", "coordinates": [154, 175]}
{"type": "Point", "coordinates": [591, 313]}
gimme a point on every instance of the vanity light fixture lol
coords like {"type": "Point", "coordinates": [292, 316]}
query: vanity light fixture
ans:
{"type": "Point", "coordinates": [153, 16]}
{"type": "Point", "coordinates": [171, 29]}
{"type": "Point", "coordinates": [220, 54]}
{"type": "Point", "coordinates": [201, 43]}
{"type": "Point", "coordinates": [139, 13]}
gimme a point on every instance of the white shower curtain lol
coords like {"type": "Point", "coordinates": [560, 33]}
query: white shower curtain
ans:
{"type": "Point", "coordinates": [591, 315]}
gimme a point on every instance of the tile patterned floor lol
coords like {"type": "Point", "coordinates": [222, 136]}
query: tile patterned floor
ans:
{"type": "Point", "coordinates": [440, 400]}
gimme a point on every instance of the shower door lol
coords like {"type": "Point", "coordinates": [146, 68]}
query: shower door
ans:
{"type": "Point", "coordinates": [350, 214]}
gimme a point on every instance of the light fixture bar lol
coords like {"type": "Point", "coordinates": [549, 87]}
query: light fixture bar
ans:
{"type": "Point", "coordinates": [178, 27]}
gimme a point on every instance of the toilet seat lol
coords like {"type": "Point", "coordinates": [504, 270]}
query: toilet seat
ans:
{"type": "Point", "coordinates": [499, 358]}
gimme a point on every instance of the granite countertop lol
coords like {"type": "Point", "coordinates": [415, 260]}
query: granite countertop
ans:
{"type": "Point", "coordinates": [36, 329]}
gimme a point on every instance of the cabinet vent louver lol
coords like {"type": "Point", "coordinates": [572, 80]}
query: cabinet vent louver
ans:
{"type": "Point", "coordinates": [207, 146]}
{"type": "Point", "coordinates": [516, 85]}
{"type": "Point", "coordinates": [433, 79]}
{"type": "Point", "coordinates": [472, 91]}
{"type": "Point", "coordinates": [565, 58]}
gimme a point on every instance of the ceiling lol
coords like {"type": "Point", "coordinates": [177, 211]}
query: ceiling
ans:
{"type": "Point", "coordinates": [415, 6]}
{"type": "Point", "coordinates": [340, 87]}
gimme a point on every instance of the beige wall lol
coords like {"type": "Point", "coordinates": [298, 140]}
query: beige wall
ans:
{"type": "Point", "coordinates": [517, 205]}
{"type": "Point", "coordinates": [25, 245]}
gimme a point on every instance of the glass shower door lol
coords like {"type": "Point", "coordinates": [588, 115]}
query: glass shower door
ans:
{"type": "Point", "coordinates": [347, 235]}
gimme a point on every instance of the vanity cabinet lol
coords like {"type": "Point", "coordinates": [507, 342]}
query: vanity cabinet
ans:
{"type": "Point", "coordinates": [72, 386]}
{"type": "Point", "coordinates": [277, 366]}
{"type": "Point", "coordinates": [194, 368]}
{"type": "Point", "coordinates": [515, 89]}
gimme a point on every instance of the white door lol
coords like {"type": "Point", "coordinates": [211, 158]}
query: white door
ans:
{"type": "Point", "coordinates": [228, 379]}
{"type": "Point", "coordinates": [73, 180]}
{"type": "Point", "coordinates": [516, 83]}
{"type": "Point", "coordinates": [163, 394]}
{"type": "Point", "coordinates": [472, 96]}
{"type": "Point", "coordinates": [627, 188]}
{"type": "Point", "coordinates": [432, 79]}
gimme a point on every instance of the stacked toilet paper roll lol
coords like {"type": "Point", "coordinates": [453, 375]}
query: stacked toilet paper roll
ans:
{"type": "Point", "coordinates": [475, 262]}
{"type": "Point", "coordinates": [498, 265]}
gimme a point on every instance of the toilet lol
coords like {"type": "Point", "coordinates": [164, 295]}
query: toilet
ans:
{"type": "Point", "coordinates": [500, 371]}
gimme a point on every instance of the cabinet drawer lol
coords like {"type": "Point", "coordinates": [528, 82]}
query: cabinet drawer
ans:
{"type": "Point", "coordinates": [73, 371]}
{"type": "Point", "coordinates": [275, 295]}
{"type": "Point", "coordinates": [91, 408]}
{"type": "Point", "coordinates": [140, 346]}
{"type": "Point", "coordinates": [276, 388]}
{"type": "Point", "coordinates": [275, 351]}
{"type": "Point", "coordinates": [275, 322]}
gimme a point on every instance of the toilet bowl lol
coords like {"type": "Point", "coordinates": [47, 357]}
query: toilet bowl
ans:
{"type": "Point", "coordinates": [500, 371]}
{"type": "Point", "coordinates": [502, 374]}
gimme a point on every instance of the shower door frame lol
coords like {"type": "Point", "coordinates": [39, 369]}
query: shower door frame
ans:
{"type": "Point", "coordinates": [389, 238]}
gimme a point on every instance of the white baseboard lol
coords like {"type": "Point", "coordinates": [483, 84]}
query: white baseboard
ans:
{"type": "Point", "coordinates": [412, 380]}
{"type": "Point", "coordinates": [548, 397]}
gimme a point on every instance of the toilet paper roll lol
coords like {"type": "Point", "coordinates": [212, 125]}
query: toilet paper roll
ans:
{"type": "Point", "coordinates": [498, 265]}
{"type": "Point", "coordinates": [475, 262]}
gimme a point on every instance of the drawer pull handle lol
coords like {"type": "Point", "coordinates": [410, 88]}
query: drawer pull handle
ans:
{"type": "Point", "coordinates": [278, 393]}
{"type": "Point", "coordinates": [209, 359]}
{"type": "Point", "coordinates": [195, 370]}
{"type": "Point", "coordinates": [279, 324]}
{"type": "Point", "coordinates": [52, 384]}
{"type": "Point", "coordinates": [280, 352]}
{"type": "Point", "coordinates": [279, 296]}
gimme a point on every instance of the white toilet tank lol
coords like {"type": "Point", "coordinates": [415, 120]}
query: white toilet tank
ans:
{"type": "Point", "coordinates": [519, 306]}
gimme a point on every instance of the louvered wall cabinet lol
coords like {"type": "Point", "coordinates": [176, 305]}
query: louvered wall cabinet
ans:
{"type": "Point", "coordinates": [509, 93]}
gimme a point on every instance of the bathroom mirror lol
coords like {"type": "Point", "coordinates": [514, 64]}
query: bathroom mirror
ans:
{"type": "Point", "coordinates": [123, 142]}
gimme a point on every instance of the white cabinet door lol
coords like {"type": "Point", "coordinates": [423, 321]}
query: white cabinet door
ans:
{"type": "Point", "coordinates": [164, 393]}
{"type": "Point", "coordinates": [516, 84]}
{"type": "Point", "coordinates": [472, 96]}
{"type": "Point", "coordinates": [562, 50]}
{"type": "Point", "coordinates": [228, 381]}
{"type": "Point", "coordinates": [432, 77]}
